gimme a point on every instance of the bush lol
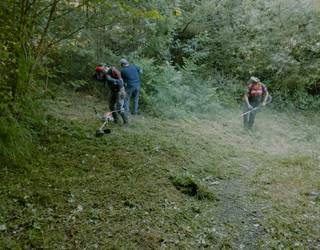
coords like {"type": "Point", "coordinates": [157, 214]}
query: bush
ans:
{"type": "Point", "coordinates": [302, 101]}
{"type": "Point", "coordinates": [16, 143]}
{"type": "Point", "coordinates": [20, 130]}
{"type": "Point", "coordinates": [173, 93]}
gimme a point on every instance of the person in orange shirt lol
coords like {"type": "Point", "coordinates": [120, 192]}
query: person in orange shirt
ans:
{"type": "Point", "coordinates": [255, 96]}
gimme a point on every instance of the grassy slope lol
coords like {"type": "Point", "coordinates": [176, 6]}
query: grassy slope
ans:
{"type": "Point", "coordinates": [158, 183]}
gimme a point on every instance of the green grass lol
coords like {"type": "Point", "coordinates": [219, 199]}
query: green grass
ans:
{"type": "Point", "coordinates": [176, 184]}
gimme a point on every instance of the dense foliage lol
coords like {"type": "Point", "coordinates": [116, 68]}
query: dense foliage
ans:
{"type": "Point", "coordinates": [197, 55]}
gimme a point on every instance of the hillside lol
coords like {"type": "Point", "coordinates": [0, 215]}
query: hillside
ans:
{"type": "Point", "coordinates": [158, 183]}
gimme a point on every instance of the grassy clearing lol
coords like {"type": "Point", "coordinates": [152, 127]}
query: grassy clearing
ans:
{"type": "Point", "coordinates": [181, 184]}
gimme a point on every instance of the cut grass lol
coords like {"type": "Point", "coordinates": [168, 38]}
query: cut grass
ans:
{"type": "Point", "coordinates": [292, 217]}
{"type": "Point", "coordinates": [182, 184]}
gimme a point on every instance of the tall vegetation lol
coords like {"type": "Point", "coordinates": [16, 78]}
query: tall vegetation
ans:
{"type": "Point", "coordinates": [275, 40]}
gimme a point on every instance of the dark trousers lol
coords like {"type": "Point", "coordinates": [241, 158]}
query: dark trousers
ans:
{"type": "Point", "coordinates": [116, 104]}
{"type": "Point", "coordinates": [248, 119]}
{"type": "Point", "coordinates": [132, 92]}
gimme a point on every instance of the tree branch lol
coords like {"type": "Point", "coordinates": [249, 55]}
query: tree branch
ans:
{"type": "Point", "coordinates": [67, 11]}
{"type": "Point", "coordinates": [42, 38]}
{"type": "Point", "coordinates": [53, 42]}
{"type": "Point", "coordinates": [186, 26]}
{"type": "Point", "coordinates": [45, 30]}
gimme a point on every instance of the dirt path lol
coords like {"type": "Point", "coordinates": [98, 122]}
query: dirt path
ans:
{"type": "Point", "coordinates": [238, 214]}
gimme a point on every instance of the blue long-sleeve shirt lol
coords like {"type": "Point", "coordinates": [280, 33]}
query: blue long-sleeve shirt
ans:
{"type": "Point", "coordinates": [131, 75]}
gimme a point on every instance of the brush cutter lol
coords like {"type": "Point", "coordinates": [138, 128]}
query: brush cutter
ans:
{"type": "Point", "coordinates": [269, 100]}
{"type": "Point", "coordinates": [105, 118]}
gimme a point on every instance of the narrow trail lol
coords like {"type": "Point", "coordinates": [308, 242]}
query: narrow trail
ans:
{"type": "Point", "coordinates": [238, 215]}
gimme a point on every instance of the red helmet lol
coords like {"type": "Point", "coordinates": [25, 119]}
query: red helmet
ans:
{"type": "Point", "coordinates": [99, 68]}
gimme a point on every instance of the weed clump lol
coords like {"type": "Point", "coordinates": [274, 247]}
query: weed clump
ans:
{"type": "Point", "coordinates": [189, 186]}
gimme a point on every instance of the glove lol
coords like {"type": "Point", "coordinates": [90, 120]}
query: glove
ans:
{"type": "Point", "coordinates": [249, 106]}
{"type": "Point", "coordinates": [263, 104]}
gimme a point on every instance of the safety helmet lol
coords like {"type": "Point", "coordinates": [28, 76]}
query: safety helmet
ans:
{"type": "Point", "coordinates": [254, 79]}
{"type": "Point", "coordinates": [99, 68]}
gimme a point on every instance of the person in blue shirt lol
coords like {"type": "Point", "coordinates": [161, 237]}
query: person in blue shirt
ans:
{"type": "Point", "coordinates": [130, 74]}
